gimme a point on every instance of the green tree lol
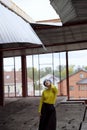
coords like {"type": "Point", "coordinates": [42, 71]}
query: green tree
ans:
{"type": "Point", "coordinates": [45, 71]}
{"type": "Point", "coordinates": [60, 71]}
{"type": "Point", "coordinates": [31, 71]}
{"type": "Point", "coordinates": [84, 67]}
{"type": "Point", "coordinates": [71, 69]}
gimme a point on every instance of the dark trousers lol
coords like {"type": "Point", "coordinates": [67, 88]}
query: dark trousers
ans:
{"type": "Point", "coordinates": [48, 117]}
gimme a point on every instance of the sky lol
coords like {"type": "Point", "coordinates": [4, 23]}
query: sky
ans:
{"type": "Point", "coordinates": [37, 9]}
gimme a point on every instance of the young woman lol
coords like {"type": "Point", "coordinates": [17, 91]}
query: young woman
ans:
{"type": "Point", "coordinates": [46, 107]}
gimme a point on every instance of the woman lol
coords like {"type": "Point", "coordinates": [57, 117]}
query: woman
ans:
{"type": "Point", "coordinates": [46, 107]}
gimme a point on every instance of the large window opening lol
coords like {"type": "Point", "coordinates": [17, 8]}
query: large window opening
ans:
{"type": "Point", "coordinates": [78, 74]}
{"type": "Point", "coordinates": [45, 66]}
{"type": "Point", "coordinates": [48, 66]}
{"type": "Point", "coordinates": [12, 77]}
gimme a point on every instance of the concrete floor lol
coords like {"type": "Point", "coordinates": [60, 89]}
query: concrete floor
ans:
{"type": "Point", "coordinates": [22, 114]}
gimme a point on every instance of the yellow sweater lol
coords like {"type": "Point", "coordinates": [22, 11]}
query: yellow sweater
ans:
{"type": "Point", "coordinates": [48, 96]}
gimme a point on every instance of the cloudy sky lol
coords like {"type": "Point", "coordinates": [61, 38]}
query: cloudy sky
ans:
{"type": "Point", "coordinates": [37, 9]}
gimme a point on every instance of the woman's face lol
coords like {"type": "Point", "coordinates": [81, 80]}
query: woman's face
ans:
{"type": "Point", "coordinates": [47, 83]}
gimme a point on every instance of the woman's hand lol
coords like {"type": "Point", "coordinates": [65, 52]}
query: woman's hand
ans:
{"type": "Point", "coordinates": [39, 114]}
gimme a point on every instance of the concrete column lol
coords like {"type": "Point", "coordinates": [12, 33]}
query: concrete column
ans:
{"type": "Point", "coordinates": [24, 76]}
{"type": "Point", "coordinates": [1, 80]}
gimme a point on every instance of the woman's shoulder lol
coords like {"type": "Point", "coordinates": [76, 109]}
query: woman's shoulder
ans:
{"type": "Point", "coordinates": [44, 90]}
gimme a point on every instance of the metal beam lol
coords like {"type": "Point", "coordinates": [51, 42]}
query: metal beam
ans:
{"type": "Point", "coordinates": [1, 80]}
{"type": "Point", "coordinates": [24, 76]}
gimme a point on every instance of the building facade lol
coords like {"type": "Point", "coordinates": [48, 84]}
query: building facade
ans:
{"type": "Point", "coordinates": [77, 85]}
{"type": "Point", "coordinates": [13, 84]}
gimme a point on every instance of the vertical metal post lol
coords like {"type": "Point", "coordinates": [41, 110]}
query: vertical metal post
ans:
{"type": "Point", "coordinates": [39, 75]}
{"type": "Point", "coordinates": [1, 80]}
{"type": "Point", "coordinates": [67, 75]}
{"type": "Point", "coordinates": [8, 90]}
{"type": "Point", "coordinates": [24, 76]}
{"type": "Point", "coordinates": [33, 74]}
{"type": "Point", "coordinates": [53, 67]}
{"type": "Point", "coordinates": [60, 74]}
{"type": "Point", "coordinates": [14, 77]}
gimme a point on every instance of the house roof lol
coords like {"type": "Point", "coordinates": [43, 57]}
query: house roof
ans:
{"type": "Point", "coordinates": [83, 81]}
{"type": "Point", "coordinates": [9, 77]}
{"type": "Point", "coordinates": [75, 73]}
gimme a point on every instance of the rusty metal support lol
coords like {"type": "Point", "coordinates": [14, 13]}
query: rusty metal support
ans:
{"type": "Point", "coordinates": [24, 76]}
{"type": "Point", "coordinates": [1, 80]}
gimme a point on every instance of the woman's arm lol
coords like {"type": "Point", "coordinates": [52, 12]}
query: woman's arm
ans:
{"type": "Point", "coordinates": [54, 89]}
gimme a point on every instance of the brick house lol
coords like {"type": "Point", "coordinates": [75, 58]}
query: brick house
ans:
{"type": "Point", "coordinates": [13, 84]}
{"type": "Point", "coordinates": [77, 85]}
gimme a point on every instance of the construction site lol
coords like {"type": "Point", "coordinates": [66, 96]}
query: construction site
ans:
{"type": "Point", "coordinates": [22, 114]}
{"type": "Point", "coordinates": [32, 51]}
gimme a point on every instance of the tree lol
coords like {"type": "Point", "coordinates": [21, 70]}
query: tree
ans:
{"type": "Point", "coordinates": [71, 69]}
{"type": "Point", "coordinates": [31, 71]}
{"type": "Point", "coordinates": [45, 71]}
{"type": "Point", "coordinates": [60, 71]}
{"type": "Point", "coordinates": [84, 67]}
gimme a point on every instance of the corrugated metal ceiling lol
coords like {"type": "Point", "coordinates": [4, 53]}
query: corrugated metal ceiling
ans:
{"type": "Point", "coordinates": [70, 10]}
{"type": "Point", "coordinates": [57, 35]}
{"type": "Point", "coordinates": [63, 38]}
{"type": "Point", "coordinates": [71, 36]}
{"type": "Point", "coordinates": [13, 29]}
